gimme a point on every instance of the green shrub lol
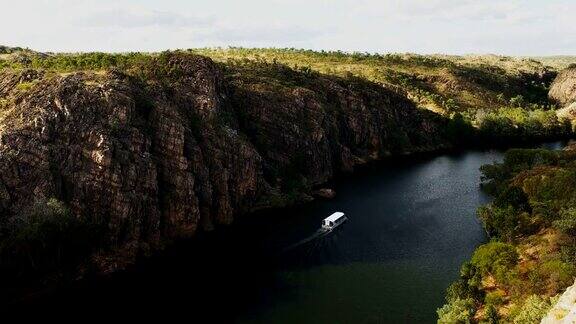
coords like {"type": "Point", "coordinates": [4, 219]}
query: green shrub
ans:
{"type": "Point", "coordinates": [46, 238]}
{"type": "Point", "coordinates": [495, 176]}
{"type": "Point", "coordinates": [517, 101]}
{"type": "Point", "coordinates": [513, 196]}
{"type": "Point", "coordinates": [495, 258]}
{"type": "Point", "coordinates": [25, 86]}
{"type": "Point", "coordinates": [495, 297]}
{"type": "Point", "coordinates": [505, 223]}
{"type": "Point", "coordinates": [491, 314]}
{"type": "Point", "coordinates": [516, 160]}
{"type": "Point", "coordinates": [459, 130]}
{"type": "Point", "coordinates": [460, 311]}
{"type": "Point", "coordinates": [567, 221]}
{"type": "Point", "coordinates": [467, 287]}
{"type": "Point", "coordinates": [556, 275]}
{"type": "Point", "coordinates": [532, 311]}
{"type": "Point", "coordinates": [521, 124]}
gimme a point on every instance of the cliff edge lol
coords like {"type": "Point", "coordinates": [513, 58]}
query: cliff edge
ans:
{"type": "Point", "coordinates": [180, 144]}
{"type": "Point", "coordinates": [564, 311]}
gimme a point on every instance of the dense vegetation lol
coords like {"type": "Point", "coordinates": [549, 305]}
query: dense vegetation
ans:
{"type": "Point", "coordinates": [44, 242]}
{"type": "Point", "coordinates": [522, 124]}
{"type": "Point", "coordinates": [75, 62]}
{"type": "Point", "coordinates": [490, 99]}
{"type": "Point", "coordinates": [531, 256]}
{"type": "Point", "coordinates": [442, 83]}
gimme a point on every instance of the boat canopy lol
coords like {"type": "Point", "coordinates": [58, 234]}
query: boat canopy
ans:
{"type": "Point", "coordinates": [334, 217]}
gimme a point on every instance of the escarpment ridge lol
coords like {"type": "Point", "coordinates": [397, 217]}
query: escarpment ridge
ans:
{"type": "Point", "coordinates": [180, 144]}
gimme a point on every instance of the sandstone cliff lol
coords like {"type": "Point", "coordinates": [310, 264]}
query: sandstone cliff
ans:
{"type": "Point", "coordinates": [563, 89]}
{"type": "Point", "coordinates": [563, 93]}
{"type": "Point", "coordinates": [564, 311]}
{"type": "Point", "coordinates": [181, 144]}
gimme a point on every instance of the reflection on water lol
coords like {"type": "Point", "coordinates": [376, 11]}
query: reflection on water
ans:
{"type": "Point", "coordinates": [411, 224]}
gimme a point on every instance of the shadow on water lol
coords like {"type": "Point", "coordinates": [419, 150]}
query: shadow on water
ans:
{"type": "Point", "coordinates": [411, 224]}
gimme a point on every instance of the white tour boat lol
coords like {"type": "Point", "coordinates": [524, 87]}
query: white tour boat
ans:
{"type": "Point", "coordinates": [333, 221]}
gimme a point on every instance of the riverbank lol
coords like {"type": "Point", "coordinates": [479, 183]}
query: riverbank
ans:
{"type": "Point", "coordinates": [530, 258]}
{"type": "Point", "coordinates": [405, 215]}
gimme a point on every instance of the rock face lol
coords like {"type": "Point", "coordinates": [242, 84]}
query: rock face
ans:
{"type": "Point", "coordinates": [184, 145]}
{"type": "Point", "coordinates": [564, 311]}
{"type": "Point", "coordinates": [325, 193]}
{"type": "Point", "coordinates": [563, 89]}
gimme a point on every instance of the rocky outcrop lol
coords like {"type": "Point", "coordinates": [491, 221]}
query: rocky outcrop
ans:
{"type": "Point", "coordinates": [563, 89]}
{"type": "Point", "coordinates": [325, 193]}
{"type": "Point", "coordinates": [181, 144]}
{"type": "Point", "coordinates": [564, 311]}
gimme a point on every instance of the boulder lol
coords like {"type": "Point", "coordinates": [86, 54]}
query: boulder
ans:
{"type": "Point", "coordinates": [563, 89]}
{"type": "Point", "coordinates": [325, 193]}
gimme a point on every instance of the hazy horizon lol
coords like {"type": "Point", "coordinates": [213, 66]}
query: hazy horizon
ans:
{"type": "Point", "coordinates": [569, 56]}
{"type": "Point", "coordinates": [464, 27]}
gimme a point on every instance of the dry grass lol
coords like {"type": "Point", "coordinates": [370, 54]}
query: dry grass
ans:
{"type": "Point", "coordinates": [430, 80]}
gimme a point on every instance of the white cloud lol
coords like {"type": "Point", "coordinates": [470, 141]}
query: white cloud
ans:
{"type": "Point", "coordinates": [438, 10]}
{"type": "Point", "coordinates": [514, 27]}
{"type": "Point", "coordinates": [135, 18]}
{"type": "Point", "coordinates": [256, 34]}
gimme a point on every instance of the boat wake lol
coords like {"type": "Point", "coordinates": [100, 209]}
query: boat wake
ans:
{"type": "Point", "coordinates": [318, 234]}
{"type": "Point", "coordinates": [328, 225]}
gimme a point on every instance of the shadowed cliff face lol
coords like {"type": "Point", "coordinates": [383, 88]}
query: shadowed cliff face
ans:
{"type": "Point", "coordinates": [181, 144]}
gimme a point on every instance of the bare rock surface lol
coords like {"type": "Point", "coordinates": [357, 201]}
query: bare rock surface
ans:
{"type": "Point", "coordinates": [563, 89]}
{"type": "Point", "coordinates": [325, 193]}
{"type": "Point", "coordinates": [564, 311]}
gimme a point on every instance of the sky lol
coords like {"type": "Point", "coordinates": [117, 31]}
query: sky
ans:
{"type": "Point", "coordinates": [508, 27]}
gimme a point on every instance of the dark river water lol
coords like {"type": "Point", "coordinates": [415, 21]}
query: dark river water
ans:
{"type": "Point", "coordinates": [411, 225]}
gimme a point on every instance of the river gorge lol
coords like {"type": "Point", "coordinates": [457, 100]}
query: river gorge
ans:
{"type": "Point", "coordinates": [411, 225]}
{"type": "Point", "coordinates": [189, 161]}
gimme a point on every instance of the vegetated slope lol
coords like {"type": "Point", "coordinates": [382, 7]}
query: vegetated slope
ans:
{"type": "Point", "coordinates": [465, 84]}
{"type": "Point", "coordinates": [505, 99]}
{"type": "Point", "coordinates": [557, 62]}
{"type": "Point", "coordinates": [18, 55]}
{"type": "Point", "coordinates": [531, 256]}
{"type": "Point", "coordinates": [171, 144]}
{"type": "Point", "coordinates": [15, 50]}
